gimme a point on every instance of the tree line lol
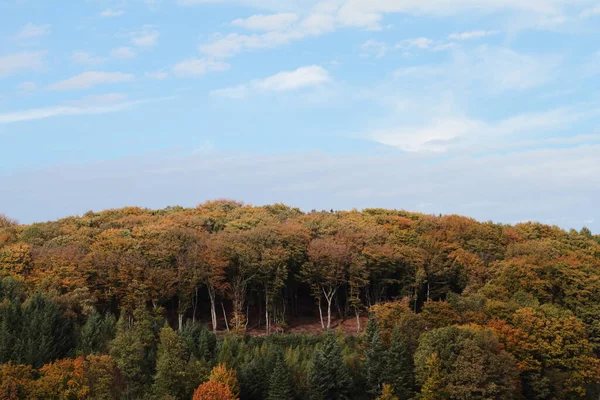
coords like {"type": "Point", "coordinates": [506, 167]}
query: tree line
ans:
{"type": "Point", "coordinates": [137, 303]}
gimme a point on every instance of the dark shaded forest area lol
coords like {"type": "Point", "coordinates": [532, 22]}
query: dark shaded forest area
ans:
{"type": "Point", "coordinates": [192, 302]}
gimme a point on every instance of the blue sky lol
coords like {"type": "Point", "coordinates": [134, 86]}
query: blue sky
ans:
{"type": "Point", "coordinates": [485, 108]}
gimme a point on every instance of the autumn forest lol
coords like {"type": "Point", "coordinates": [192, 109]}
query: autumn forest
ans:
{"type": "Point", "coordinates": [230, 301]}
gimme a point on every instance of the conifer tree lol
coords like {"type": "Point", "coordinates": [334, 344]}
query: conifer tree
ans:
{"type": "Point", "coordinates": [96, 333]}
{"type": "Point", "coordinates": [171, 366]}
{"type": "Point", "coordinates": [329, 378]}
{"type": "Point", "coordinates": [280, 384]}
{"type": "Point", "coordinates": [46, 335]}
{"type": "Point", "coordinates": [399, 370]}
{"type": "Point", "coordinates": [375, 362]}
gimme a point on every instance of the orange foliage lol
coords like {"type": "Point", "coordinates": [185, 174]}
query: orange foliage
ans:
{"type": "Point", "coordinates": [213, 391]}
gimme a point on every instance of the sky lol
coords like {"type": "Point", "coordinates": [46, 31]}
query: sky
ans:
{"type": "Point", "coordinates": [485, 108]}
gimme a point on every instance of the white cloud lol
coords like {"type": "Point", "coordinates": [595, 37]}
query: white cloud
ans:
{"type": "Point", "coordinates": [471, 35]}
{"type": "Point", "coordinates": [85, 58]}
{"type": "Point", "coordinates": [15, 63]}
{"type": "Point", "coordinates": [274, 22]}
{"type": "Point", "coordinates": [109, 12]}
{"type": "Point", "coordinates": [198, 67]}
{"type": "Point", "coordinates": [158, 75]}
{"type": "Point", "coordinates": [460, 133]}
{"type": "Point", "coordinates": [147, 37]}
{"type": "Point", "coordinates": [435, 136]}
{"type": "Point", "coordinates": [67, 110]}
{"type": "Point", "coordinates": [122, 53]}
{"type": "Point", "coordinates": [373, 48]}
{"type": "Point", "coordinates": [299, 78]}
{"type": "Point", "coordinates": [30, 31]}
{"type": "Point", "coordinates": [90, 79]}
{"type": "Point", "coordinates": [302, 77]}
{"type": "Point", "coordinates": [419, 43]}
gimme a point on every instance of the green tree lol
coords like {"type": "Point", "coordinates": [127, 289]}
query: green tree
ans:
{"type": "Point", "coordinates": [132, 350]}
{"type": "Point", "coordinates": [171, 366]}
{"type": "Point", "coordinates": [375, 363]}
{"type": "Point", "coordinates": [471, 364]}
{"type": "Point", "coordinates": [329, 378]}
{"type": "Point", "coordinates": [399, 369]}
{"type": "Point", "coordinates": [96, 334]}
{"type": "Point", "coordinates": [45, 334]}
{"type": "Point", "coordinates": [280, 384]}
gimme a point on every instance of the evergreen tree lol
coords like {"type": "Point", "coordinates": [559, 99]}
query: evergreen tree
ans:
{"type": "Point", "coordinates": [399, 370]}
{"type": "Point", "coordinates": [96, 333]}
{"type": "Point", "coordinates": [375, 362]}
{"type": "Point", "coordinates": [46, 335]}
{"type": "Point", "coordinates": [171, 366]}
{"type": "Point", "coordinates": [132, 349]}
{"type": "Point", "coordinates": [280, 384]}
{"type": "Point", "coordinates": [329, 378]}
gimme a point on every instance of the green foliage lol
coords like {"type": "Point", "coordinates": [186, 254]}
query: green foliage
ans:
{"type": "Point", "coordinates": [375, 362]}
{"type": "Point", "coordinates": [464, 363]}
{"type": "Point", "coordinates": [329, 378]}
{"type": "Point", "coordinates": [171, 366]}
{"type": "Point", "coordinates": [398, 371]}
{"type": "Point", "coordinates": [96, 334]}
{"type": "Point", "coordinates": [280, 383]}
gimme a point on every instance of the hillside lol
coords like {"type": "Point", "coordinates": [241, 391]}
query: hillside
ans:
{"type": "Point", "coordinates": [519, 304]}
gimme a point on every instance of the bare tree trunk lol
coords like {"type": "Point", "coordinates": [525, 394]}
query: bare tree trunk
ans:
{"type": "Point", "coordinates": [213, 311]}
{"type": "Point", "coordinates": [328, 313]}
{"type": "Point", "coordinates": [329, 297]}
{"type": "Point", "coordinates": [180, 320]}
{"type": "Point", "coordinates": [267, 314]}
{"type": "Point", "coordinates": [195, 305]}
{"type": "Point", "coordinates": [357, 321]}
{"type": "Point", "coordinates": [321, 314]}
{"type": "Point", "coordinates": [225, 316]}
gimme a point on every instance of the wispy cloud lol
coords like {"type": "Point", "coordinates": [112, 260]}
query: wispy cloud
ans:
{"type": "Point", "coordinates": [273, 22]}
{"type": "Point", "coordinates": [90, 79]}
{"type": "Point", "coordinates": [69, 110]}
{"type": "Point", "coordinates": [110, 12]}
{"type": "Point", "coordinates": [86, 58]}
{"type": "Point", "coordinates": [30, 31]}
{"type": "Point", "coordinates": [15, 63]}
{"type": "Point", "coordinates": [158, 75]}
{"type": "Point", "coordinates": [122, 52]}
{"type": "Point", "coordinates": [147, 37]}
{"type": "Point", "coordinates": [302, 77]}
{"type": "Point", "coordinates": [373, 48]}
{"type": "Point", "coordinates": [471, 35]}
{"type": "Point", "coordinates": [198, 67]}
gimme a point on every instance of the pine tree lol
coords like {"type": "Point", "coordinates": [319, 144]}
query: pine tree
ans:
{"type": "Point", "coordinates": [171, 366]}
{"type": "Point", "coordinates": [375, 362]}
{"type": "Point", "coordinates": [399, 370]}
{"type": "Point", "coordinates": [329, 378]}
{"type": "Point", "coordinates": [46, 335]}
{"type": "Point", "coordinates": [96, 333]}
{"type": "Point", "coordinates": [280, 384]}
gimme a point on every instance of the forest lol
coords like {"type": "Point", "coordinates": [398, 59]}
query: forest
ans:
{"type": "Point", "coordinates": [232, 301]}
